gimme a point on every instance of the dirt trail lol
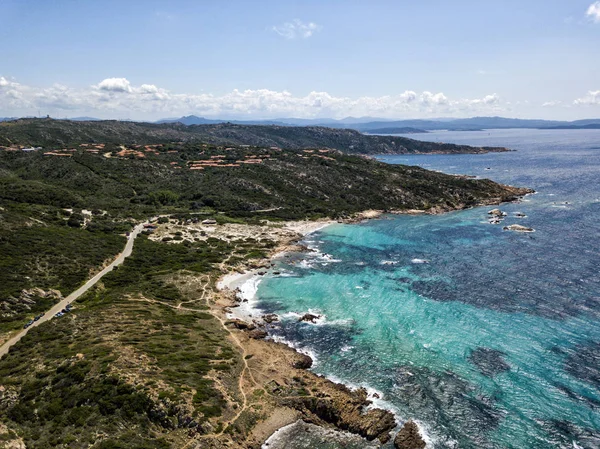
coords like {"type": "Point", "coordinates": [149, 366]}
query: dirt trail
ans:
{"type": "Point", "coordinates": [234, 338]}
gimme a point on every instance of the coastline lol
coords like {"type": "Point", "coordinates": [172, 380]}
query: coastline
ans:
{"type": "Point", "coordinates": [234, 279]}
{"type": "Point", "coordinates": [349, 407]}
{"type": "Point", "coordinates": [236, 304]}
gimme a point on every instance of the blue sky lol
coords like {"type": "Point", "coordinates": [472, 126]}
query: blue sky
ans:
{"type": "Point", "coordinates": [268, 59]}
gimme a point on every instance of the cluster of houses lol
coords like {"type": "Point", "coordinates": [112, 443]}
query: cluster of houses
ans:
{"type": "Point", "coordinates": [15, 148]}
{"type": "Point", "coordinates": [141, 152]}
{"type": "Point", "coordinates": [220, 160]}
{"type": "Point", "coordinates": [316, 153]}
{"type": "Point", "coordinates": [68, 152]}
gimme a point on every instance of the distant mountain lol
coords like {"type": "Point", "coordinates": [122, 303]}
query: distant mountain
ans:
{"type": "Point", "coordinates": [190, 120]}
{"type": "Point", "coordinates": [50, 133]}
{"type": "Point", "coordinates": [195, 120]}
{"type": "Point", "coordinates": [374, 125]}
{"type": "Point", "coordinates": [348, 122]}
{"type": "Point", "coordinates": [406, 130]}
{"type": "Point", "coordinates": [593, 121]}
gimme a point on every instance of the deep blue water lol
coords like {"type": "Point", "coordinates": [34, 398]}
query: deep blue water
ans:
{"type": "Point", "coordinates": [495, 342]}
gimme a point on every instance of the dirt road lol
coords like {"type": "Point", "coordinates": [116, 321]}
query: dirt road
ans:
{"type": "Point", "coordinates": [77, 293]}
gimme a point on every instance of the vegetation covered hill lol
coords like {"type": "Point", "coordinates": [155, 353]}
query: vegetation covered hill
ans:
{"type": "Point", "coordinates": [61, 211]}
{"type": "Point", "coordinates": [235, 180]}
{"type": "Point", "coordinates": [143, 360]}
{"type": "Point", "coordinates": [50, 133]}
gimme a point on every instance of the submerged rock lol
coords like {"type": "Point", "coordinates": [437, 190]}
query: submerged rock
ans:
{"type": "Point", "coordinates": [583, 363]}
{"type": "Point", "coordinates": [409, 437]}
{"type": "Point", "coordinates": [564, 433]}
{"type": "Point", "coordinates": [490, 362]}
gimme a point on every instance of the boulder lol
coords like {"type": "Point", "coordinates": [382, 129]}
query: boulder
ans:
{"type": "Point", "coordinates": [257, 334]}
{"type": "Point", "coordinates": [302, 362]}
{"type": "Point", "coordinates": [242, 325]}
{"type": "Point", "coordinates": [269, 318]}
{"type": "Point", "coordinates": [409, 437]}
{"type": "Point", "coordinates": [497, 213]}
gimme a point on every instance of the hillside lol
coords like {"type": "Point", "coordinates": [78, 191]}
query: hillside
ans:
{"type": "Point", "coordinates": [50, 133]}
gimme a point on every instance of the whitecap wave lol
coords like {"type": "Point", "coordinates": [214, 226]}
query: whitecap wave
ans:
{"type": "Point", "coordinates": [299, 348]}
{"type": "Point", "coordinates": [248, 307]}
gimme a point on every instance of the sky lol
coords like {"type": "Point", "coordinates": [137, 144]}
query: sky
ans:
{"type": "Point", "coordinates": [245, 59]}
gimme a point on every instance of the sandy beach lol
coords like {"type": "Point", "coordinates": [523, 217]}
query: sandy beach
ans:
{"type": "Point", "coordinates": [236, 279]}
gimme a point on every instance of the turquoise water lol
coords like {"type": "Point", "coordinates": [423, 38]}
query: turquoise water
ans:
{"type": "Point", "coordinates": [488, 338]}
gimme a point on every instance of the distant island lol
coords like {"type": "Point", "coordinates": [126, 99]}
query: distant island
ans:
{"type": "Point", "coordinates": [590, 126]}
{"type": "Point", "coordinates": [50, 133]}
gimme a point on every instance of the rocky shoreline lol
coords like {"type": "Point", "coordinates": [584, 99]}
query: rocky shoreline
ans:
{"type": "Point", "coordinates": [292, 391]}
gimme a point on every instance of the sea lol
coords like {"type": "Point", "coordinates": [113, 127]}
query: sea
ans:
{"type": "Point", "coordinates": [487, 338]}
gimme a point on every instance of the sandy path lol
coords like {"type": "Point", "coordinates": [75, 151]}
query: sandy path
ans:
{"type": "Point", "coordinates": [77, 293]}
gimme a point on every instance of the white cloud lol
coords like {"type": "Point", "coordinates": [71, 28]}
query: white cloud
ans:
{"type": "Point", "coordinates": [551, 104]}
{"type": "Point", "coordinates": [491, 99]}
{"type": "Point", "coordinates": [117, 97]}
{"type": "Point", "coordinates": [593, 12]}
{"type": "Point", "coordinates": [591, 99]}
{"type": "Point", "coordinates": [296, 28]}
{"type": "Point", "coordinates": [115, 85]}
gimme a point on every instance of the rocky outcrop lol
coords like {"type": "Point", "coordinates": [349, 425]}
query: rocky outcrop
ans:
{"type": "Point", "coordinates": [309, 318]}
{"type": "Point", "coordinates": [26, 301]}
{"type": "Point", "coordinates": [497, 213]}
{"type": "Point", "coordinates": [409, 437]}
{"type": "Point", "coordinates": [518, 228]}
{"type": "Point", "coordinates": [257, 334]}
{"type": "Point", "coordinates": [242, 325]}
{"type": "Point", "coordinates": [302, 362]}
{"type": "Point", "coordinates": [270, 318]}
{"type": "Point", "coordinates": [345, 409]}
